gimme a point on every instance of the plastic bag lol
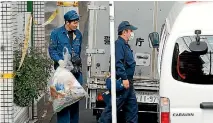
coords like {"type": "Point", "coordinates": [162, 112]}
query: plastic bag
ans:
{"type": "Point", "coordinates": [67, 60]}
{"type": "Point", "coordinates": [64, 88]}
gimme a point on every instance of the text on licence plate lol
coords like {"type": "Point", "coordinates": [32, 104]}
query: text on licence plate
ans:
{"type": "Point", "coordinates": [147, 97]}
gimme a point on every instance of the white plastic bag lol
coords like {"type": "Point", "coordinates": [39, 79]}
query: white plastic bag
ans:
{"type": "Point", "coordinates": [64, 88]}
{"type": "Point", "coordinates": [67, 59]}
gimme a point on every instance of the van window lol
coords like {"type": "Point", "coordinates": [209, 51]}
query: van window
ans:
{"type": "Point", "coordinates": [189, 67]}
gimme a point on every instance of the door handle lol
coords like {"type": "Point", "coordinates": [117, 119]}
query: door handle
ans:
{"type": "Point", "coordinates": [206, 105]}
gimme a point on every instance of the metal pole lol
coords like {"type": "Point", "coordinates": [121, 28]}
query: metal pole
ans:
{"type": "Point", "coordinates": [155, 17]}
{"type": "Point", "coordinates": [112, 47]}
{"type": "Point", "coordinates": [153, 71]}
{"type": "Point", "coordinates": [90, 46]}
{"type": "Point", "coordinates": [30, 9]}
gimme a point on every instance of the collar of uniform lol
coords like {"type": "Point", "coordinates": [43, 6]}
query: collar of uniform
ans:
{"type": "Point", "coordinates": [121, 39]}
{"type": "Point", "coordinates": [63, 30]}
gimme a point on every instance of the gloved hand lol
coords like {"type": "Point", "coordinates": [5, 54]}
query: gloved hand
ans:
{"type": "Point", "coordinates": [61, 63]}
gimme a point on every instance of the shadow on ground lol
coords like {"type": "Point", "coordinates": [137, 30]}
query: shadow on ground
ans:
{"type": "Point", "coordinates": [85, 114]}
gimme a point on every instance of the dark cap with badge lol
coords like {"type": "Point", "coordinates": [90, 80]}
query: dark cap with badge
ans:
{"type": "Point", "coordinates": [71, 15]}
{"type": "Point", "coordinates": [126, 25]}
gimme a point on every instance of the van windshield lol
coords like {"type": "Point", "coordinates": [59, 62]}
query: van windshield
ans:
{"type": "Point", "coordinates": [189, 67]}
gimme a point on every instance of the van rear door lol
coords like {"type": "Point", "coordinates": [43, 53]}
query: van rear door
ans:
{"type": "Point", "coordinates": [191, 100]}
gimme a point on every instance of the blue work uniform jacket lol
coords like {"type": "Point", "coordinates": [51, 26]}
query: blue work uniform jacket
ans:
{"type": "Point", "coordinates": [123, 53]}
{"type": "Point", "coordinates": [60, 39]}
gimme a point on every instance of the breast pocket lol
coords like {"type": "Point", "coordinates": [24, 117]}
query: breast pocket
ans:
{"type": "Point", "coordinates": [76, 45]}
{"type": "Point", "coordinates": [76, 48]}
{"type": "Point", "coordinates": [130, 58]}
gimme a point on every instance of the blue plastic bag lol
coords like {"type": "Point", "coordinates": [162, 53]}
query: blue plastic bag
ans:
{"type": "Point", "coordinates": [119, 84]}
{"type": "Point", "coordinates": [106, 96]}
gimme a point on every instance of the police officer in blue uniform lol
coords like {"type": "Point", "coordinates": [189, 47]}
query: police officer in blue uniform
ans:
{"type": "Point", "coordinates": [125, 67]}
{"type": "Point", "coordinates": [68, 36]}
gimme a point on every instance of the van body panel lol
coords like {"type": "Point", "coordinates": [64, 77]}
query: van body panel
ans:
{"type": "Point", "coordinates": [185, 97]}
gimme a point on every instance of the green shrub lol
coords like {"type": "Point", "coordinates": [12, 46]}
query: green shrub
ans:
{"type": "Point", "coordinates": [31, 80]}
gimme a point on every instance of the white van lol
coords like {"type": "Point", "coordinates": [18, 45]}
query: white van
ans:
{"type": "Point", "coordinates": [185, 63]}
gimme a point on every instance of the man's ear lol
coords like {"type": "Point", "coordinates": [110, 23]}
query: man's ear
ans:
{"type": "Point", "coordinates": [124, 32]}
{"type": "Point", "coordinates": [66, 22]}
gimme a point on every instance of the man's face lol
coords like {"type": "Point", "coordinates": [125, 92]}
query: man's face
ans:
{"type": "Point", "coordinates": [73, 25]}
{"type": "Point", "coordinates": [127, 33]}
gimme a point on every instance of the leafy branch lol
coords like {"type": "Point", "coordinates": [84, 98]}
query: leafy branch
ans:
{"type": "Point", "coordinates": [32, 77]}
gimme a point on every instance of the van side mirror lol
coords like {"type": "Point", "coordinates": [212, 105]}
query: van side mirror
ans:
{"type": "Point", "coordinates": [154, 39]}
{"type": "Point", "coordinates": [198, 47]}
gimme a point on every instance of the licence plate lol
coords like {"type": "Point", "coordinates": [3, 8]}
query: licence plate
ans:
{"type": "Point", "coordinates": [147, 97]}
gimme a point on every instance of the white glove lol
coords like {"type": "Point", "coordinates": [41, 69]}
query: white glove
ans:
{"type": "Point", "coordinates": [61, 63]}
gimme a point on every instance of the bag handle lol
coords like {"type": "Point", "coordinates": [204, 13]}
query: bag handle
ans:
{"type": "Point", "coordinates": [66, 55]}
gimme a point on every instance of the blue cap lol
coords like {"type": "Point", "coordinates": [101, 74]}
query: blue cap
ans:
{"type": "Point", "coordinates": [126, 25]}
{"type": "Point", "coordinates": [71, 15]}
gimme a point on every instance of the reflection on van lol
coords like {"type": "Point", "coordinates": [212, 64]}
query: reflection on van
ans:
{"type": "Point", "coordinates": [190, 67]}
